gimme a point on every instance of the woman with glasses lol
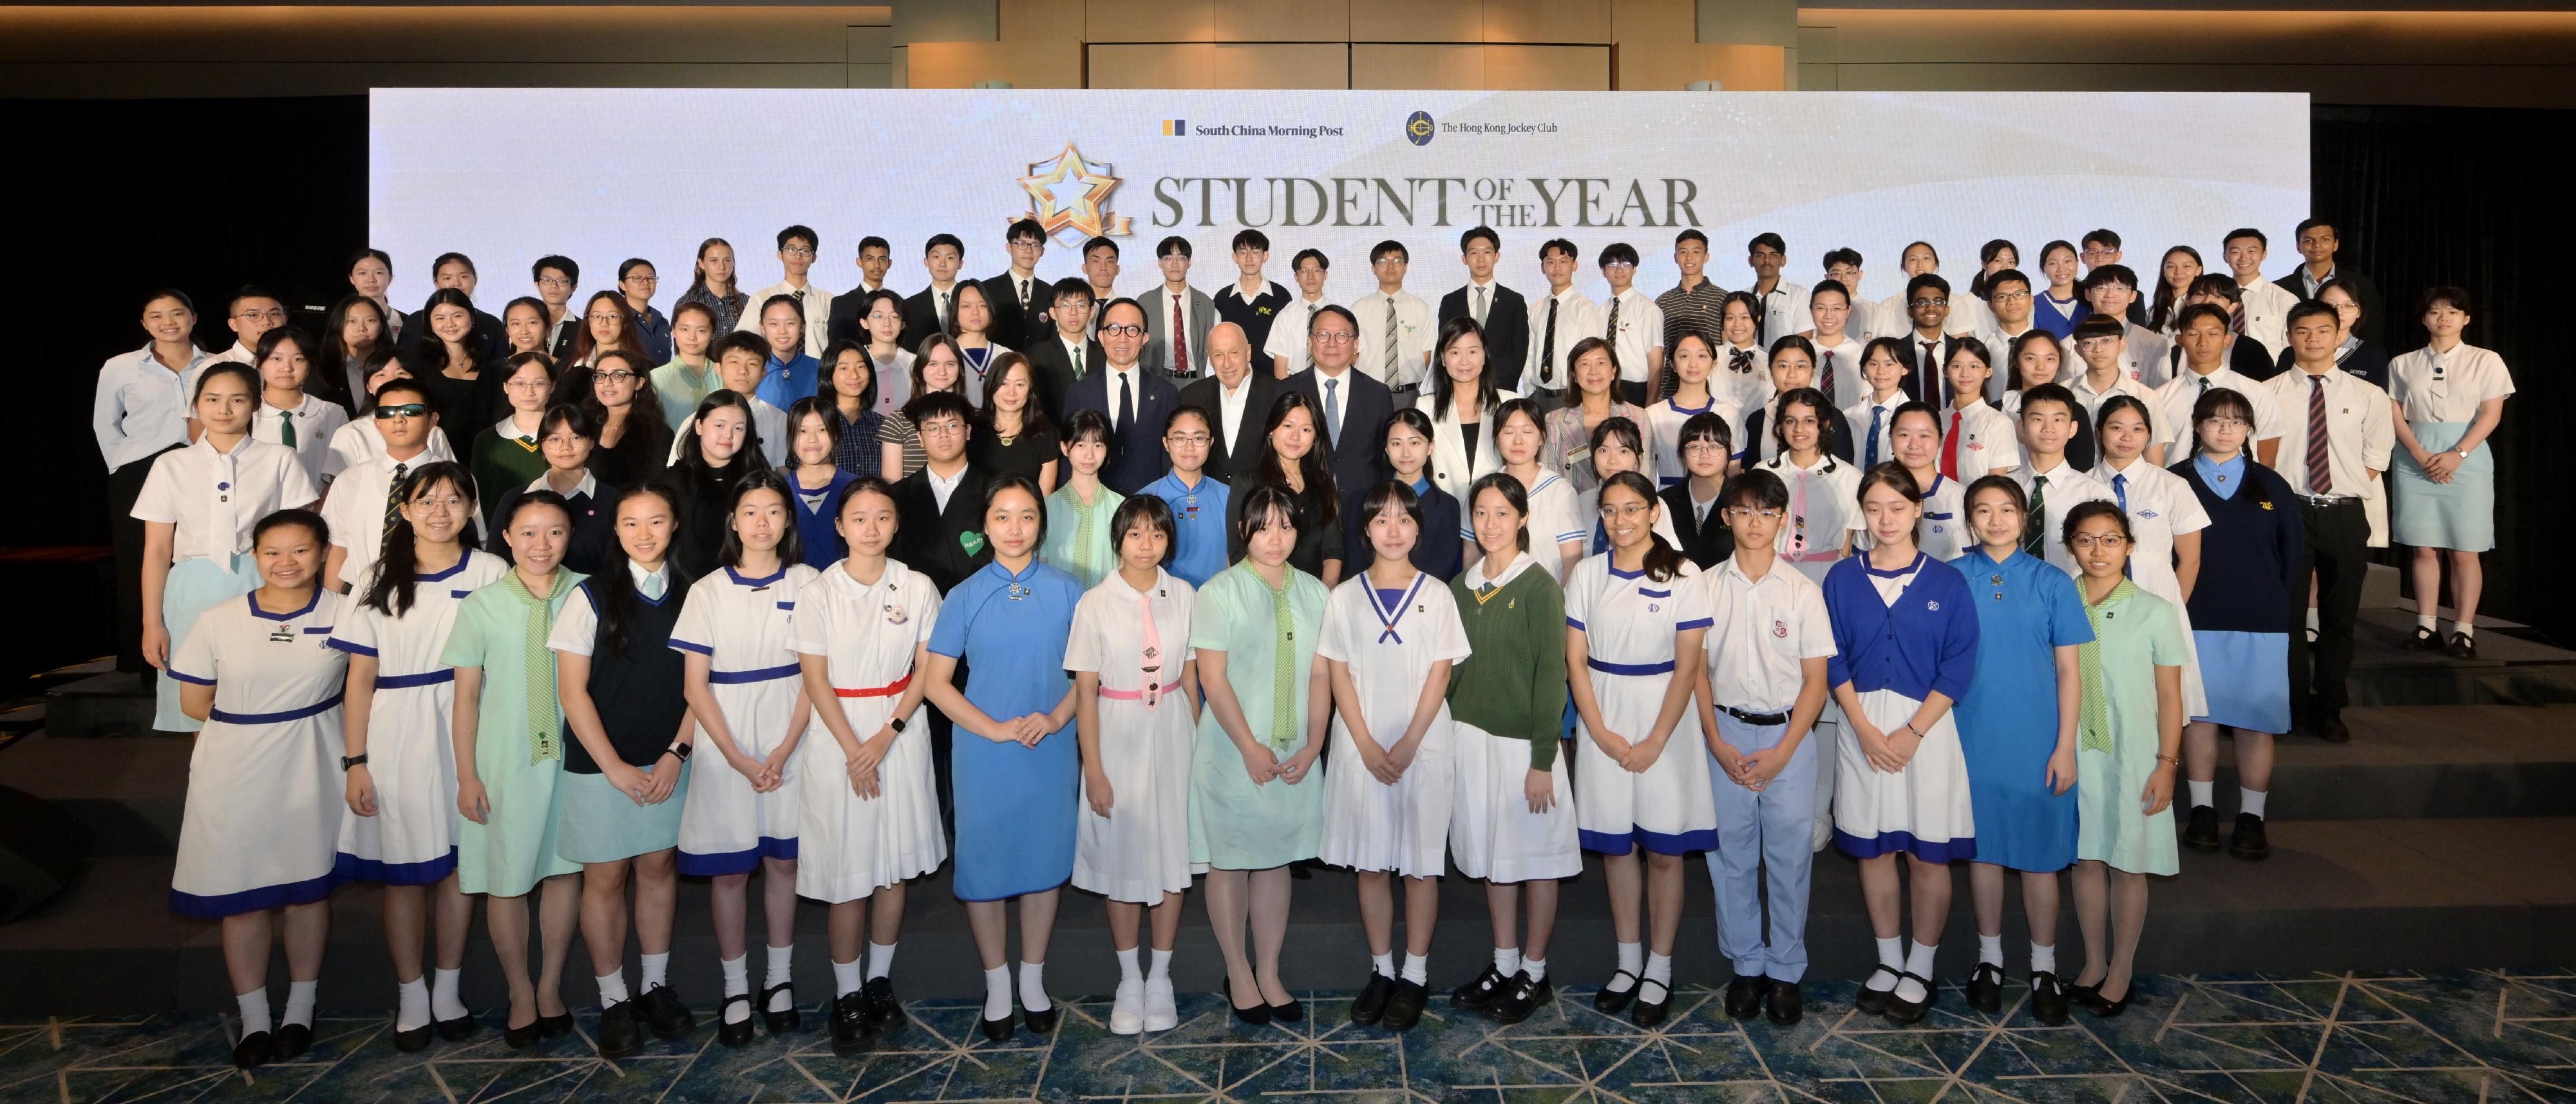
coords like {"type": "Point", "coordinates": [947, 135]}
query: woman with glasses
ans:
{"type": "Point", "coordinates": [2238, 609]}
{"type": "Point", "coordinates": [633, 445]}
{"type": "Point", "coordinates": [607, 325]}
{"type": "Point", "coordinates": [507, 454]}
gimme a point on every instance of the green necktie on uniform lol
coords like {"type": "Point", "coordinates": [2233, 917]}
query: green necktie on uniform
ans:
{"type": "Point", "coordinates": [1087, 517]}
{"type": "Point", "coordinates": [393, 501]}
{"type": "Point", "coordinates": [1283, 666]}
{"type": "Point", "coordinates": [537, 664]}
{"type": "Point", "coordinates": [286, 428]}
{"type": "Point", "coordinates": [2093, 718]}
{"type": "Point", "coordinates": [2034, 524]}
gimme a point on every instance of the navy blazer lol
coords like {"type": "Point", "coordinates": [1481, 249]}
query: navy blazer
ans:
{"type": "Point", "coordinates": [1506, 332]}
{"type": "Point", "coordinates": [1010, 327]}
{"type": "Point", "coordinates": [1359, 454]}
{"type": "Point", "coordinates": [1136, 456]}
{"type": "Point", "coordinates": [2363, 291]}
{"type": "Point", "coordinates": [1927, 386]}
{"type": "Point", "coordinates": [1054, 370]}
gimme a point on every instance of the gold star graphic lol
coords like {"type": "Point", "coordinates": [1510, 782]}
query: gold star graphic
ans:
{"type": "Point", "coordinates": [1067, 192]}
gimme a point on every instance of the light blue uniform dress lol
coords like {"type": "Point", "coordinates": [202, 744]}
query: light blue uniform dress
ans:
{"type": "Point", "coordinates": [1198, 519]}
{"type": "Point", "coordinates": [1015, 804]}
{"type": "Point", "coordinates": [2441, 393]}
{"type": "Point", "coordinates": [2026, 610]}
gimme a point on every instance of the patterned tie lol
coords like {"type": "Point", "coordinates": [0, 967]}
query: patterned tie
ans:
{"type": "Point", "coordinates": [1877, 421]}
{"type": "Point", "coordinates": [1024, 296]}
{"type": "Point", "coordinates": [286, 428]}
{"type": "Point", "coordinates": [1387, 361]}
{"type": "Point", "coordinates": [1180, 340]}
{"type": "Point", "coordinates": [1825, 383]}
{"type": "Point", "coordinates": [1547, 349]}
{"type": "Point", "coordinates": [2320, 476]}
{"type": "Point", "coordinates": [1611, 331]}
{"type": "Point", "coordinates": [393, 501]}
{"type": "Point", "coordinates": [1332, 413]}
{"type": "Point", "coordinates": [1077, 362]}
{"type": "Point", "coordinates": [1950, 446]}
{"type": "Point", "coordinates": [1798, 518]}
{"type": "Point", "coordinates": [2120, 490]}
{"type": "Point", "coordinates": [1740, 361]}
{"type": "Point", "coordinates": [1480, 306]}
{"type": "Point", "coordinates": [2034, 527]}
{"type": "Point", "coordinates": [1930, 379]}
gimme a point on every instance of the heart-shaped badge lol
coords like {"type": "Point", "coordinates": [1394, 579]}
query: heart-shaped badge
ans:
{"type": "Point", "coordinates": [972, 541]}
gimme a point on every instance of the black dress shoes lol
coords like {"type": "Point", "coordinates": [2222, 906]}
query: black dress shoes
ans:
{"type": "Point", "coordinates": [2330, 727]}
{"type": "Point", "coordinates": [1521, 999]}
{"type": "Point", "coordinates": [1042, 1023]}
{"type": "Point", "coordinates": [1782, 1003]}
{"type": "Point", "coordinates": [1648, 1012]}
{"type": "Point", "coordinates": [2249, 842]}
{"type": "Point", "coordinates": [555, 1027]}
{"type": "Point", "coordinates": [521, 1037]}
{"type": "Point", "coordinates": [292, 1041]}
{"type": "Point", "coordinates": [254, 1049]}
{"type": "Point", "coordinates": [1986, 988]}
{"type": "Point", "coordinates": [2200, 830]}
{"type": "Point", "coordinates": [998, 1031]}
{"type": "Point", "coordinates": [619, 1034]}
{"type": "Point", "coordinates": [780, 1023]}
{"type": "Point", "coordinates": [413, 1041]}
{"type": "Point", "coordinates": [2462, 646]}
{"type": "Point", "coordinates": [852, 1030]}
{"type": "Point", "coordinates": [2047, 998]}
{"type": "Point", "coordinates": [732, 1032]}
{"type": "Point", "coordinates": [1404, 1006]}
{"type": "Point", "coordinates": [1256, 1015]}
{"type": "Point", "coordinates": [884, 1011]}
{"type": "Point", "coordinates": [1911, 1011]}
{"type": "Point", "coordinates": [2097, 1005]}
{"type": "Point", "coordinates": [1875, 1001]}
{"type": "Point", "coordinates": [1370, 1005]}
{"type": "Point", "coordinates": [1611, 998]}
{"type": "Point", "coordinates": [1477, 994]}
{"type": "Point", "coordinates": [662, 1010]}
{"type": "Point", "coordinates": [1744, 997]}
{"type": "Point", "coordinates": [1288, 1011]}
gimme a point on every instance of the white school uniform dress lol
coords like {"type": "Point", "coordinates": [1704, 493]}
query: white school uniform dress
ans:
{"type": "Point", "coordinates": [264, 786]}
{"type": "Point", "coordinates": [1452, 470]}
{"type": "Point", "coordinates": [766, 420]}
{"type": "Point", "coordinates": [360, 440]}
{"type": "Point", "coordinates": [316, 422]}
{"type": "Point", "coordinates": [1141, 850]}
{"type": "Point", "coordinates": [212, 501]}
{"type": "Point", "coordinates": [1492, 832]}
{"type": "Point", "coordinates": [356, 512]}
{"type": "Point", "coordinates": [1745, 390]}
{"type": "Point", "coordinates": [2176, 397]}
{"type": "Point", "coordinates": [848, 846]}
{"type": "Point", "coordinates": [2066, 487]}
{"type": "Point", "coordinates": [1663, 432]}
{"type": "Point", "coordinates": [412, 838]}
{"type": "Point", "coordinates": [2161, 506]}
{"type": "Point", "coordinates": [1390, 647]}
{"type": "Point", "coordinates": [746, 627]}
{"type": "Point", "coordinates": [1630, 625]}
{"type": "Point", "coordinates": [1824, 512]}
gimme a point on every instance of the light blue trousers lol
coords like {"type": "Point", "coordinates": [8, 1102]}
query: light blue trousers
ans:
{"type": "Point", "coordinates": [1764, 840]}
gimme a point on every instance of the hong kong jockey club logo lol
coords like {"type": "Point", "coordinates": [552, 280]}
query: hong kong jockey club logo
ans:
{"type": "Point", "coordinates": [1418, 129]}
{"type": "Point", "coordinates": [1069, 197]}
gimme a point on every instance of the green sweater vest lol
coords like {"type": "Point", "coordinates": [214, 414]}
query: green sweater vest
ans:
{"type": "Point", "coordinates": [1513, 685]}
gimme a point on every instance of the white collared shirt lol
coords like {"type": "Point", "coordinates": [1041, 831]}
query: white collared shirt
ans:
{"type": "Point", "coordinates": [941, 487]}
{"type": "Point", "coordinates": [142, 406]}
{"type": "Point", "coordinates": [1077, 354]}
{"type": "Point", "coordinates": [2066, 488]}
{"type": "Point", "coordinates": [2448, 387]}
{"type": "Point", "coordinates": [356, 511]}
{"type": "Point", "coordinates": [1850, 386]}
{"type": "Point", "coordinates": [1784, 311]}
{"type": "Point", "coordinates": [2158, 429]}
{"type": "Point", "coordinates": [1129, 376]}
{"type": "Point", "coordinates": [2267, 314]}
{"type": "Point", "coordinates": [1490, 289]}
{"type": "Point", "coordinates": [1336, 401]}
{"type": "Point", "coordinates": [1760, 633]}
{"type": "Point", "coordinates": [2361, 429]}
{"type": "Point", "coordinates": [818, 311]}
{"type": "Point", "coordinates": [1641, 330]}
{"type": "Point", "coordinates": [1986, 439]}
{"type": "Point", "coordinates": [213, 500]}
{"type": "Point", "coordinates": [2142, 358]}
{"type": "Point", "coordinates": [1163, 321]}
{"type": "Point", "coordinates": [1287, 343]}
{"type": "Point", "coordinates": [1413, 333]}
{"type": "Point", "coordinates": [1230, 404]}
{"type": "Point", "coordinates": [1861, 416]}
{"type": "Point", "coordinates": [2176, 398]}
{"type": "Point", "coordinates": [1576, 318]}
{"type": "Point", "coordinates": [316, 421]}
{"type": "Point", "coordinates": [589, 486]}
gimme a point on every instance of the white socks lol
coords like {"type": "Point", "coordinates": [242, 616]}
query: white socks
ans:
{"type": "Point", "coordinates": [1659, 969]}
{"type": "Point", "coordinates": [1990, 949]}
{"type": "Point", "coordinates": [2251, 801]}
{"type": "Point", "coordinates": [1507, 961]}
{"type": "Point", "coordinates": [254, 1011]}
{"type": "Point", "coordinates": [2426, 621]}
{"type": "Point", "coordinates": [2312, 618]}
{"type": "Point", "coordinates": [411, 1008]}
{"type": "Point", "coordinates": [657, 971]}
{"type": "Point", "coordinates": [2464, 629]}
{"type": "Point", "coordinates": [2203, 794]}
{"type": "Point", "coordinates": [1417, 969]}
{"type": "Point", "coordinates": [1632, 960]}
{"type": "Point", "coordinates": [1129, 969]}
{"type": "Point", "coordinates": [1891, 954]}
{"type": "Point", "coordinates": [782, 969]}
{"type": "Point", "coordinates": [299, 1003]}
{"type": "Point", "coordinates": [1536, 968]}
{"type": "Point", "coordinates": [442, 995]}
{"type": "Point", "coordinates": [880, 960]}
{"type": "Point", "coordinates": [997, 993]}
{"type": "Point", "coordinates": [1162, 966]}
{"type": "Point", "coordinates": [612, 989]}
{"type": "Point", "coordinates": [737, 983]}
{"type": "Point", "coordinates": [2043, 959]}
{"type": "Point", "coordinates": [846, 979]}
{"type": "Point", "coordinates": [1918, 962]}
{"type": "Point", "coordinates": [1384, 964]}
{"type": "Point", "coordinates": [1033, 994]}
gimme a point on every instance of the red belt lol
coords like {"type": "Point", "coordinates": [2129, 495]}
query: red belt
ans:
{"type": "Point", "coordinates": [886, 691]}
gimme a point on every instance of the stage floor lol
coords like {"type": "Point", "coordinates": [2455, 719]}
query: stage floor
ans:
{"type": "Point", "coordinates": [2465, 1036]}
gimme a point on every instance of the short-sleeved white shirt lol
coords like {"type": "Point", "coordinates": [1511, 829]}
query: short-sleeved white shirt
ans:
{"type": "Point", "coordinates": [1759, 632]}
{"type": "Point", "coordinates": [356, 511]}
{"type": "Point", "coordinates": [1641, 328]}
{"type": "Point", "coordinates": [213, 500]}
{"type": "Point", "coordinates": [2447, 387]}
{"type": "Point", "coordinates": [2176, 398]}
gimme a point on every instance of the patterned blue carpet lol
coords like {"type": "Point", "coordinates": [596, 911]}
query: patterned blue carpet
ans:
{"type": "Point", "coordinates": [2470, 1037]}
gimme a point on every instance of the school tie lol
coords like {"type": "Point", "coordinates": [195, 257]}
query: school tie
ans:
{"type": "Point", "coordinates": [1547, 349]}
{"type": "Point", "coordinates": [948, 311]}
{"type": "Point", "coordinates": [1877, 419]}
{"type": "Point", "coordinates": [651, 587]}
{"type": "Point", "coordinates": [1077, 362]}
{"type": "Point", "coordinates": [286, 428]}
{"type": "Point", "coordinates": [1180, 340]}
{"type": "Point", "coordinates": [1126, 403]}
{"type": "Point", "coordinates": [1387, 360]}
{"type": "Point", "coordinates": [2034, 525]}
{"type": "Point", "coordinates": [1930, 372]}
{"type": "Point", "coordinates": [1480, 307]}
{"type": "Point", "coordinates": [1332, 413]}
{"type": "Point", "coordinates": [1825, 383]}
{"type": "Point", "coordinates": [1740, 361]}
{"type": "Point", "coordinates": [2120, 490]}
{"type": "Point", "coordinates": [1024, 296]}
{"type": "Point", "coordinates": [2320, 476]}
{"type": "Point", "coordinates": [393, 501]}
{"type": "Point", "coordinates": [1611, 331]}
{"type": "Point", "coordinates": [537, 664]}
{"type": "Point", "coordinates": [1283, 664]}
{"type": "Point", "coordinates": [1950, 446]}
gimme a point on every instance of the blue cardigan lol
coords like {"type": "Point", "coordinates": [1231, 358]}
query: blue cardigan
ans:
{"type": "Point", "coordinates": [1926, 642]}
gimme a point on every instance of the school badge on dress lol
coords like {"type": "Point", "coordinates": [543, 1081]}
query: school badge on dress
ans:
{"type": "Point", "coordinates": [895, 614]}
{"type": "Point", "coordinates": [1780, 629]}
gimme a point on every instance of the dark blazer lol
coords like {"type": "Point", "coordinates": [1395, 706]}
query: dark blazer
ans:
{"type": "Point", "coordinates": [931, 540]}
{"type": "Point", "coordinates": [1757, 427]}
{"type": "Point", "coordinates": [1136, 456]}
{"type": "Point", "coordinates": [1359, 456]}
{"type": "Point", "coordinates": [2369, 362]}
{"type": "Point", "coordinates": [1054, 370]}
{"type": "Point", "coordinates": [843, 323]}
{"type": "Point", "coordinates": [1926, 385]}
{"type": "Point", "coordinates": [1236, 462]}
{"type": "Point", "coordinates": [2362, 289]}
{"type": "Point", "coordinates": [1011, 327]}
{"type": "Point", "coordinates": [921, 319]}
{"type": "Point", "coordinates": [1506, 332]}
{"type": "Point", "coordinates": [1704, 544]}
{"type": "Point", "coordinates": [1438, 550]}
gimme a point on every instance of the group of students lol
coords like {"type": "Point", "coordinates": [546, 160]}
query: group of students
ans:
{"type": "Point", "coordinates": [1842, 572]}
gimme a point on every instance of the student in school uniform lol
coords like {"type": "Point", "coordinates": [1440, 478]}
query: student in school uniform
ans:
{"type": "Point", "coordinates": [1896, 312]}
{"type": "Point", "coordinates": [747, 698]}
{"type": "Point", "coordinates": [941, 505]}
{"type": "Point", "coordinates": [1873, 420]}
{"type": "Point", "coordinates": [2034, 359]}
{"type": "Point", "coordinates": [1237, 395]}
{"type": "Point", "coordinates": [1944, 532]}
{"type": "Point", "coordinates": [1862, 322]}
{"type": "Point", "coordinates": [1783, 303]}
{"type": "Point", "coordinates": [718, 450]}
{"type": "Point", "coordinates": [1251, 303]}
{"type": "Point", "coordinates": [2059, 308]}
{"type": "Point", "coordinates": [1633, 651]}
{"type": "Point", "coordinates": [2180, 266]}
{"type": "Point", "coordinates": [508, 454]}
{"type": "Point", "coordinates": [2102, 377]}
{"type": "Point", "coordinates": [365, 502]}
{"type": "Point", "coordinates": [1501, 314]}
{"type": "Point", "coordinates": [1254, 806]}
{"type": "Point", "coordinates": [891, 365]}
{"type": "Point", "coordinates": [1972, 313]}
{"type": "Point", "coordinates": [400, 709]}
{"type": "Point", "coordinates": [1976, 439]}
{"type": "Point", "coordinates": [1391, 636]}
{"type": "Point", "coordinates": [797, 247]}
{"type": "Point", "coordinates": [619, 806]}
{"type": "Point", "coordinates": [1905, 646]}
{"type": "Point", "coordinates": [1394, 326]}
{"type": "Point", "coordinates": [1556, 522]}
{"type": "Point", "coordinates": [2253, 570]}
{"type": "Point", "coordinates": [2335, 442]}
{"type": "Point", "coordinates": [2241, 350]}
{"type": "Point", "coordinates": [199, 506]}
{"type": "Point", "coordinates": [1286, 348]}
{"type": "Point", "coordinates": [2201, 343]}
{"type": "Point", "coordinates": [743, 369]}
{"type": "Point", "coordinates": [1824, 508]}
{"type": "Point", "coordinates": [1694, 358]}
{"type": "Point", "coordinates": [1511, 823]}
{"type": "Point", "coordinates": [1409, 447]}
{"type": "Point", "coordinates": [684, 380]}
{"type": "Point", "coordinates": [867, 804]}
{"type": "Point", "coordinates": [1135, 708]}
{"type": "Point", "coordinates": [2112, 292]}
{"type": "Point", "coordinates": [2008, 294]}
{"type": "Point", "coordinates": [1294, 459]}
{"type": "Point", "coordinates": [2129, 744]}
{"type": "Point", "coordinates": [1594, 400]}
{"type": "Point", "coordinates": [983, 355]}
{"type": "Point", "coordinates": [932, 310]}
{"type": "Point", "coordinates": [2017, 729]}
{"type": "Point", "coordinates": [2266, 305]}
{"type": "Point", "coordinates": [1925, 348]}
{"type": "Point", "coordinates": [2449, 398]}
{"type": "Point", "coordinates": [1693, 505]}
{"type": "Point", "coordinates": [141, 410]}
{"type": "Point", "coordinates": [565, 437]}
{"type": "Point", "coordinates": [508, 741]}
{"type": "Point", "coordinates": [289, 414]}
{"type": "Point", "coordinates": [2355, 354]}
{"type": "Point", "coordinates": [1839, 351]}
{"type": "Point", "coordinates": [263, 807]}
{"type": "Point", "coordinates": [1740, 375]}
{"type": "Point", "coordinates": [2049, 415]}
{"type": "Point", "coordinates": [1178, 354]}
{"type": "Point", "coordinates": [1793, 366]}
{"type": "Point", "coordinates": [1018, 297]}
{"type": "Point", "coordinates": [787, 369]}
{"type": "Point", "coordinates": [936, 366]}
{"type": "Point", "coordinates": [814, 482]}
{"type": "Point", "coordinates": [1768, 642]}
{"type": "Point", "coordinates": [1461, 405]}
{"type": "Point", "coordinates": [2165, 523]}
{"type": "Point", "coordinates": [1617, 447]}
{"type": "Point", "coordinates": [847, 399]}
{"type": "Point", "coordinates": [1198, 501]}
{"type": "Point", "coordinates": [1556, 321]}
{"type": "Point", "coordinates": [1080, 539]}
{"type": "Point", "coordinates": [1632, 324]}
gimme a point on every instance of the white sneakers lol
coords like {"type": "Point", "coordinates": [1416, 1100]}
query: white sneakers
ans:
{"type": "Point", "coordinates": [1143, 1006]}
{"type": "Point", "coordinates": [1159, 1013]}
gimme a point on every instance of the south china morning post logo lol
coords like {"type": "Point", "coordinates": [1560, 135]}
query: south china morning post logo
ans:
{"type": "Point", "coordinates": [1183, 128]}
{"type": "Point", "coordinates": [1418, 128]}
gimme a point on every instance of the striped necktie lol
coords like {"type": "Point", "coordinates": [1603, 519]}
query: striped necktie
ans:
{"type": "Point", "coordinates": [2034, 525]}
{"type": "Point", "coordinates": [393, 501]}
{"type": "Point", "coordinates": [2320, 474]}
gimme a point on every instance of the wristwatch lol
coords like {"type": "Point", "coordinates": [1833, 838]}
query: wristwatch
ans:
{"type": "Point", "coordinates": [348, 761]}
{"type": "Point", "coordinates": [679, 750]}
{"type": "Point", "coordinates": [895, 724]}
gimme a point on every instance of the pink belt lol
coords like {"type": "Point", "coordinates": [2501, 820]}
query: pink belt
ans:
{"type": "Point", "coordinates": [1137, 694]}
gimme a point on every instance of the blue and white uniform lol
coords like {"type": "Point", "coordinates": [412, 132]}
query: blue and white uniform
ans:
{"type": "Point", "coordinates": [212, 500]}
{"type": "Point", "coordinates": [1631, 626]}
{"type": "Point", "coordinates": [1761, 633]}
{"type": "Point", "coordinates": [746, 628]}
{"type": "Point", "coordinates": [1899, 636]}
{"type": "Point", "coordinates": [264, 786]}
{"type": "Point", "coordinates": [410, 728]}
{"type": "Point", "coordinates": [1390, 639]}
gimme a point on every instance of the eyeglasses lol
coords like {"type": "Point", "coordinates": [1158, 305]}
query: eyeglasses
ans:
{"type": "Point", "coordinates": [608, 318]}
{"type": "Point", "coordinates": [1703, 448]}
{"type": "Point", "coordinates": [795, 251]}
{"type": "Point", "coordinates": [2001, 297]}
{"type": "Point", "coordinates": [553, 281]}
{"type": "Point", "coordinates": [271, 315]}
{"type": "Point", "coordinates": [1619, 264]}
{"type": "Point", "coordinates": [1931, 302]}
{"type": "Point", "coordinates": [1633, 509]}
{"type": "Point", "coordinates": [1189, 439]}
{"type": "Point", "coordinates": [942, 427]}
{"type": "Point", "coordinates": [617, 376]}
{"type": "Point", "coordinates": [406, 410]}
{"type": "Point", "coordinates": [526, 385]}
{"type": "Point", "coordinates": [1389, 261]}
{"type": "Point", "coordinates": [644, 279]}
{"type": "Point", "coordinates": [2082, 541]}
{"type": "Point", "coordinates": [1121, 329]}
{"type": "Point", "coordinates": [2100, 254]}
{"type": "Point", "coordinates": [2225, 423]}
{"type": "Point", "coordinates": [1332, 337]}
{"type": "Point", "coordinates": [1747, 513]}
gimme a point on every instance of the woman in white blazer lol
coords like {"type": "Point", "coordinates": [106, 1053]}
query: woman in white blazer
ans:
{"type": "Point", "coordinates": [1461, 407]}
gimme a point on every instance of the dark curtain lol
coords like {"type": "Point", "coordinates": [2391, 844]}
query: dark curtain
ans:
{"type": "Point", "coordinates": [2429, 196]}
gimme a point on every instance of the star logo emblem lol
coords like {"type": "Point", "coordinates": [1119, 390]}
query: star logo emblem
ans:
{"type": "Point", "coordinates": [1070, 193]}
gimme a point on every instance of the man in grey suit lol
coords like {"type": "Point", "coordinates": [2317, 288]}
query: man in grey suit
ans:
{"type": "Point", "coordinates": [1178, 356]}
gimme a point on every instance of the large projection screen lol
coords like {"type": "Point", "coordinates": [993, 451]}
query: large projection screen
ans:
{"type": "Point", "coordinates": [600, 175]}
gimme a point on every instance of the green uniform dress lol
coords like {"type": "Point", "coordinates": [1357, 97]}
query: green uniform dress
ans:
{"type": "Point", "coordinates": [1235, 825]}
{"type": "Point", "coordinates": [517, 752]}
{"type": "Point", "coordinates": [2116, 741]}
{"type": "Point", "coordinates": [1077, 537]}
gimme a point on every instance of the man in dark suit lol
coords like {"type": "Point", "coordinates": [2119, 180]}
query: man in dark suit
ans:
{"type": "Point", "coordinates": [1135, 400]}
{"type": "Point", "coordinates": [1505, 315]}
{"type": "Point", "coordinates": [1063, 350]}
{"type": "Point", "coordinates": [557, 277]}
{"type": "Point", "coordinates": [2317, 245]}
{"type": "Point", "coordinates": [1238, 399]}
{"type": "Point", "coordinates": [932, 309]}
{"type": "Point", "coordinates": [942, 539]}
{"type": "Point", "coordinates": [1356, 407]}
{"type": "Point", "coordinates": [849, 309]}
{"type": "Point", "coordinates": [1927, 303]}
{"type": "Point", "coordinates": [1019, 297]}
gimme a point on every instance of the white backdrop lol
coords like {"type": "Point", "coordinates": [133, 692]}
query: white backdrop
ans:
{"type": "Point", "coordinates": [509, 175]}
